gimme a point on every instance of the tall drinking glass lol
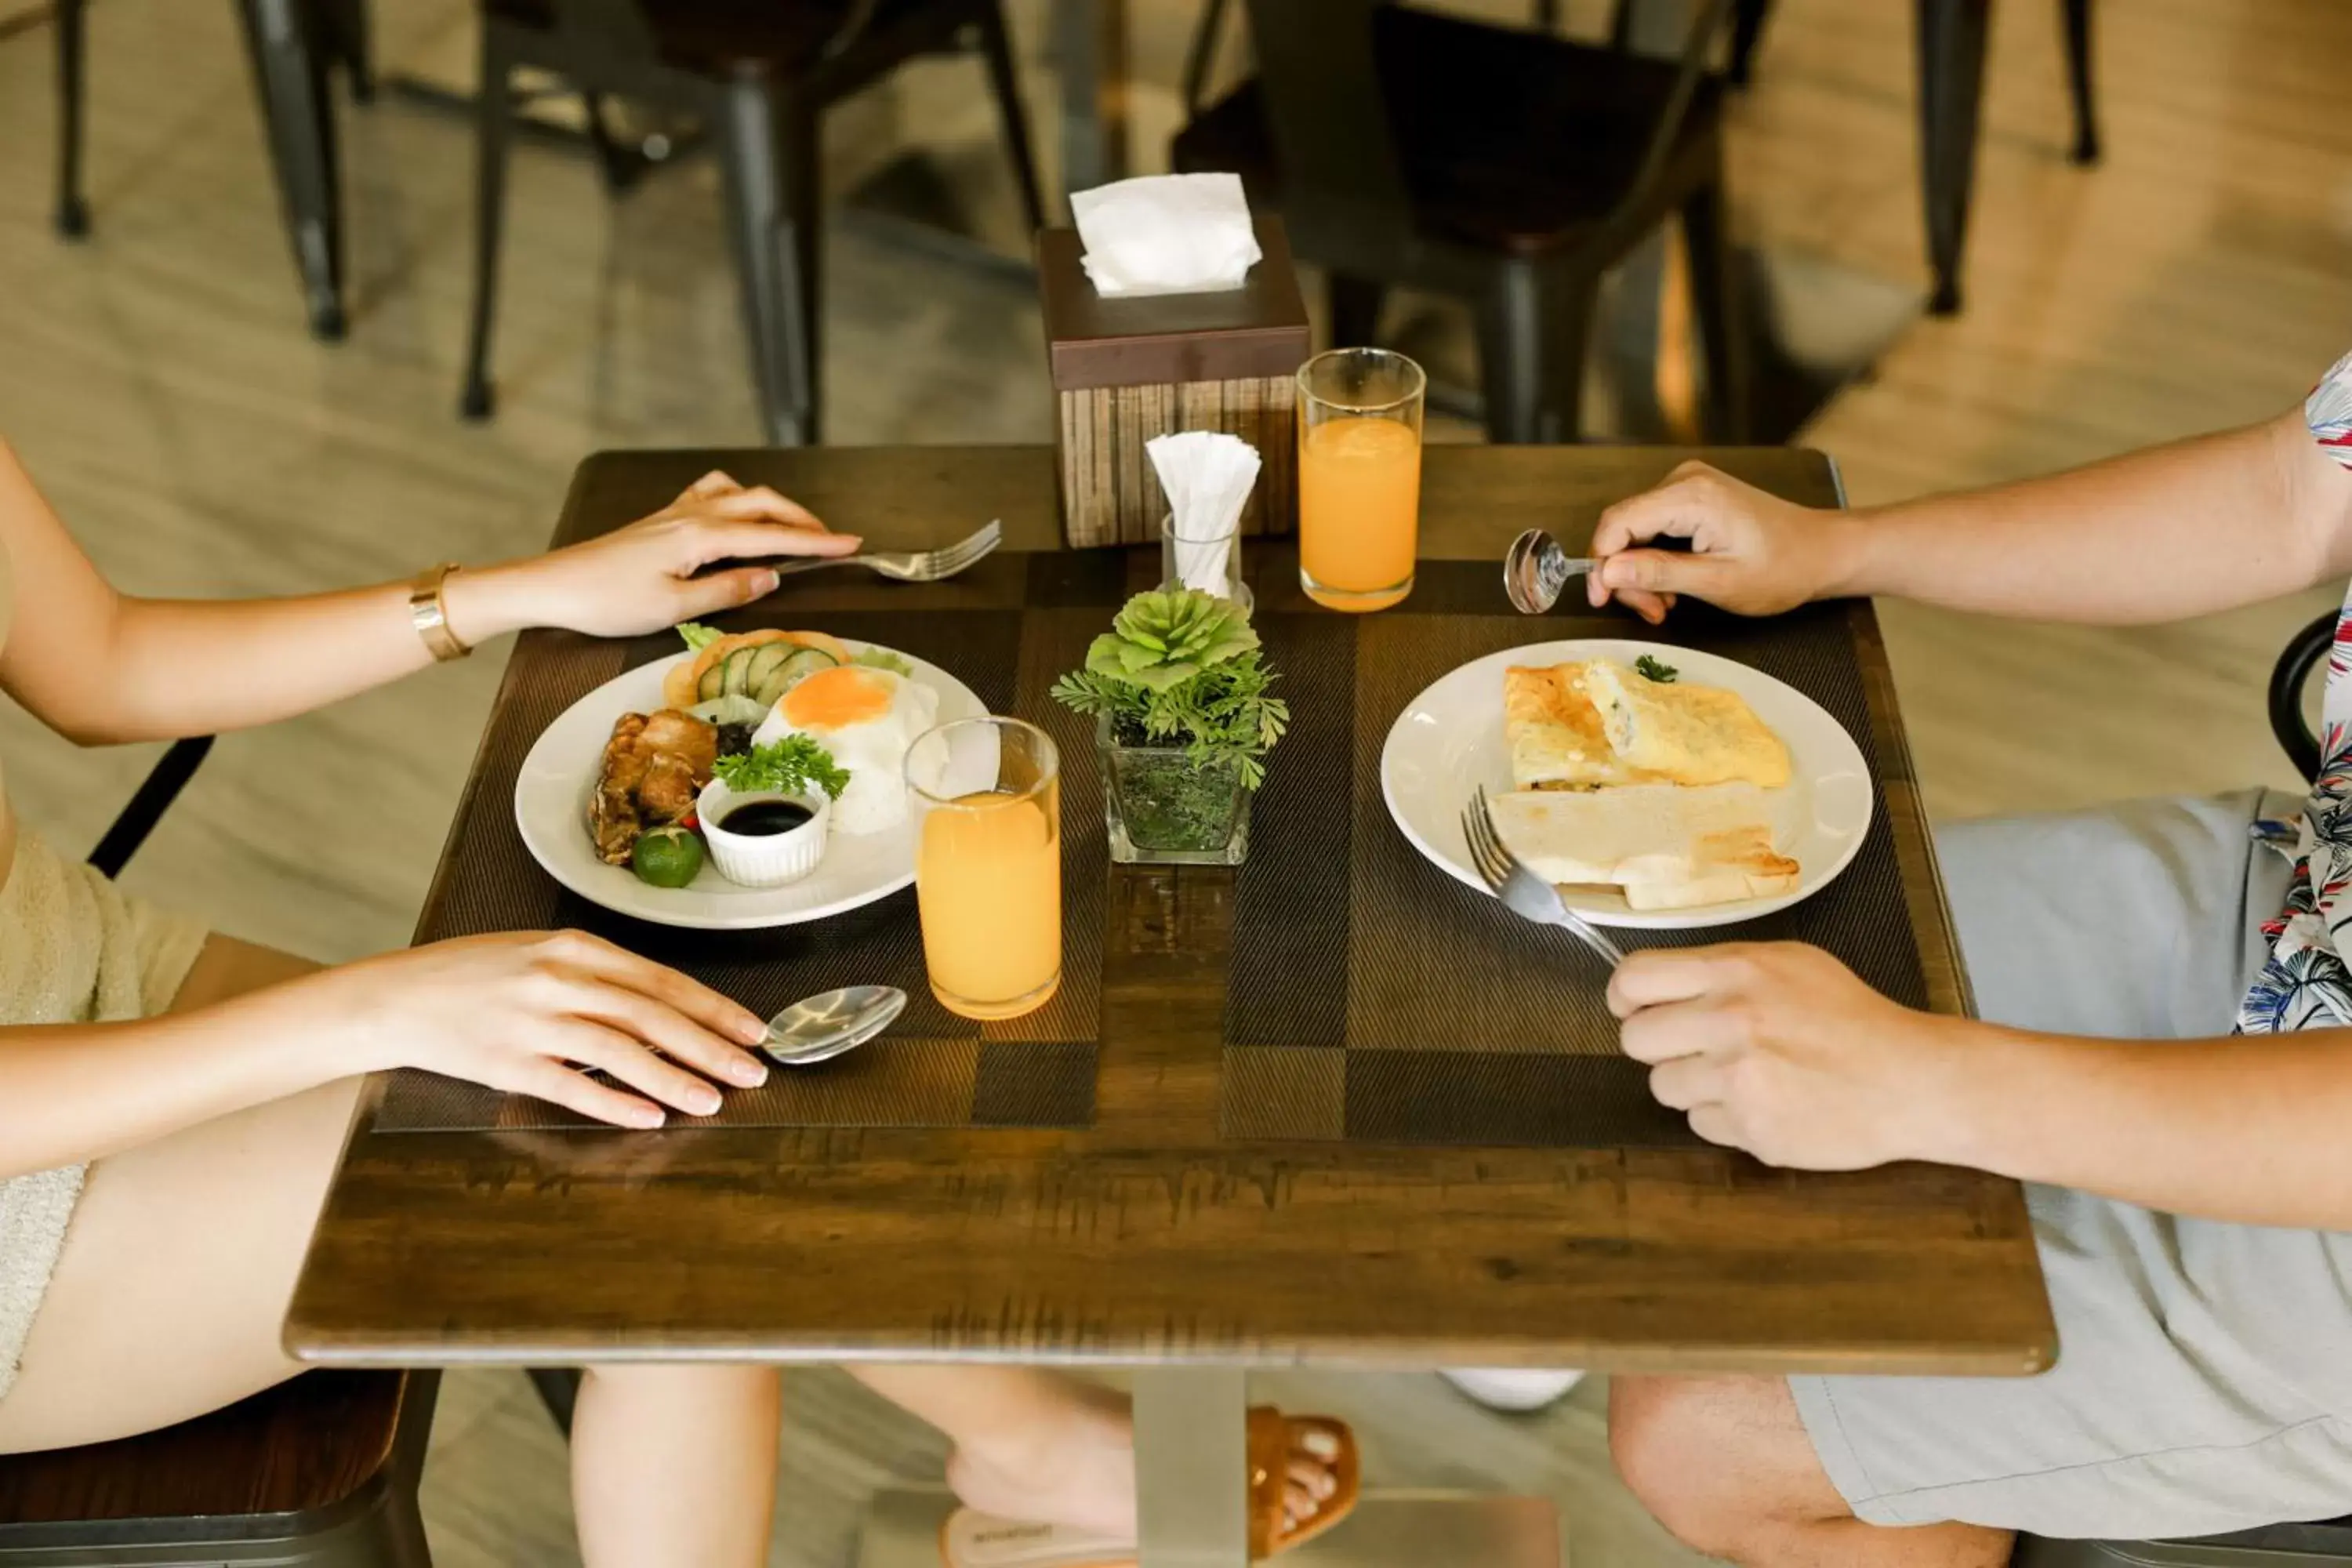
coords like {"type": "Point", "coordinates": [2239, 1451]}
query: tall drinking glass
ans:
{"type": "Point", "coordinates": [986, 794]}
{"type": "Point", "coordinates": [1358, 476]}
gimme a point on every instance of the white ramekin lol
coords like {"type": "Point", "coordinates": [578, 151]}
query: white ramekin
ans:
{"type": "Point", "coordinates": [752, 860]}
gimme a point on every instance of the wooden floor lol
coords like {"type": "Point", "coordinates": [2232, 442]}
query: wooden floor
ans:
{"type": "Point", "coordinates": [158, 381]}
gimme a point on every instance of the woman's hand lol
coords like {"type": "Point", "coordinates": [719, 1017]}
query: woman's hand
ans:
{"type": "Point", "coordinates": [1750, 552]}
{"type": "Point", "coordinates": [530, 1012]}
{"type": "Point", "coordinates": [642, 578]}
{"type": "Point", "coordinates": [1778, 1048]}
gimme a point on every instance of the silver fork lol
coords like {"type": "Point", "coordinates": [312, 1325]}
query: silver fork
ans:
{"type": "Point", "coordinates": [907, 566]}
{"type": "Point", "coordinates": [1523, 892]}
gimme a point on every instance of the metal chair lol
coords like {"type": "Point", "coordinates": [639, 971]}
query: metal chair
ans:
{"type": "Point", "coordinates": [320, 1471]}
{"type": "Point", "coordinates": [2298, 1545]}
{"type": "Point", "coordinates": [760, 77]}
{"type": "Point", "coordinates": [1405, 148]}
{"type": "Point", "coordinates": [294, 44]}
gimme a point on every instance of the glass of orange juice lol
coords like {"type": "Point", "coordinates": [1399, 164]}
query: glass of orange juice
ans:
{"type": "Point", "coordinates": [986, 795]}
{"type": "Point", "coordinates": [1358, 476]}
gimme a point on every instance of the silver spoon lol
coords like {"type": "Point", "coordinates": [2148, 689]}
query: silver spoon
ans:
{"type": "Point", "coordinates": [1535, 570]}
{"type": "Point", "coordinates": [820, 1027]}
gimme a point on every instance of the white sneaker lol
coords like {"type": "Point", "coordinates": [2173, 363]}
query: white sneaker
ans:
{"type": "Point", "coordinates": [1514, 1389]}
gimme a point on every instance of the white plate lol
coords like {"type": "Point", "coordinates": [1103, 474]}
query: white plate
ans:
{"type": "Point", "coordinates": [552, 809]}
{"type": "Point", "coordinates": [1450, 740]}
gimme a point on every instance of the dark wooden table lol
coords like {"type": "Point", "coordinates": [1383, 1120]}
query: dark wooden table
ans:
{"type": "Point", "coordinates": [1148, 1239]}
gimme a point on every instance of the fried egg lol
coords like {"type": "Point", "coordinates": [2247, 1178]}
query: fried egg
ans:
{"type": "Point", "coordinates": [867, 719]}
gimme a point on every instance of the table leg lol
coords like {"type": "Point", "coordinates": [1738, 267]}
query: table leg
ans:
{"type": "Point", "coordinates": [1951, 45]}
{"type": "Point", "coordinates": [1192, 1467]}
{"type": "Point", "coordinates": [1090, 59]}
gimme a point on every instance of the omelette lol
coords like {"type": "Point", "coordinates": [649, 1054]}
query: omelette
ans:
{"type": "Point", "coordinates": [1681, 733]}
{"type": "Point", "coordinates": [1557, 738]}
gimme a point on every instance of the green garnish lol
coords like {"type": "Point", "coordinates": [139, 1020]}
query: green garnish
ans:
{"type": "Point", "coordinates": [697, 636]}
{"type": "Point", "coordinates": [883, 658]}
{"type": "Point", "coordinates": [788, 767]}
{"type": "Point", "coordinates": [1651, 669]}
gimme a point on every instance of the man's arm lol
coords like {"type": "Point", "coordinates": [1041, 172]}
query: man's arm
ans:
{"type": "Point", "coordinates": [2201, 525]}
{"type": "Point", "coordinates": [1779, 1050]}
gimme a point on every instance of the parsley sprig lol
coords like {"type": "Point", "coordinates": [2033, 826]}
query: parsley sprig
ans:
{"type": "Point", "coordinates": [1651, 669]}
{"type": "Point", "coordinates": [789, 766]}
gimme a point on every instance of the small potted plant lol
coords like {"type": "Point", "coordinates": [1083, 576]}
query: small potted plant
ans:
{"type": "Point", "coordinates": [1183, 723]}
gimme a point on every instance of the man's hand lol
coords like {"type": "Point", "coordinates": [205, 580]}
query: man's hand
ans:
{"type": "Point", "coordinates": [1750, 552]}
{"type": "Point", "coordinates": [1775, 1047]}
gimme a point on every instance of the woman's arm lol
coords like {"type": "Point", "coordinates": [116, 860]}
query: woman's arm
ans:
{"type": "Point", "coordinates": [515, 1012]}
{"type": "Point", "coordinates": [99, 667]}
{"type": "Point", "coordinates": [2185, 530]}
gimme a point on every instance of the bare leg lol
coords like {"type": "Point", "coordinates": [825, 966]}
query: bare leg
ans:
{"type": "Point", "coordinates": [675, 1464]}
{"type": "Point", "coordinates": [203, 1232]}
{"type": "Point", "coordinates": [1032, 1445]}
{"type": "Point", "coordinates": [1725, 1464]}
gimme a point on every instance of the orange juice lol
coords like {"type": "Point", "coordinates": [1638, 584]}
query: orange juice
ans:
{"type": "Point", "coordinates": [1358, 510]}
{"type": "Point", "coordinates": [988, 887]}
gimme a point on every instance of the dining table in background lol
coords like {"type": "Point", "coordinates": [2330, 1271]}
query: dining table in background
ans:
{"type": "Point", "coordinates": [1134, 1213]}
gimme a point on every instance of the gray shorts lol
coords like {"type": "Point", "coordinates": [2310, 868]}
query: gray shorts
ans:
{"type": "Point", "coordinates": [2204, 1377]}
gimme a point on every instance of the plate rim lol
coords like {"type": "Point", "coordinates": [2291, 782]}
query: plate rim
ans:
{"type": "Point", "coordinates": [760, 919]}
{"type": "Point", "coordinates": [1696, 918]}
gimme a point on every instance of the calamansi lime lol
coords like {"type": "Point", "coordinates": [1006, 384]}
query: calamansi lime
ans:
{"type": "Point", "coordinates": [667, 856]}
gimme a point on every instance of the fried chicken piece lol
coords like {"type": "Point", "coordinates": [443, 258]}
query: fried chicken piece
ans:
{"type": "Point", "coordinates": [653, 767]}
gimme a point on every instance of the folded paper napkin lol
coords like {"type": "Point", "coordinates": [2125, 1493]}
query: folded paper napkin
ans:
{"type": "Point", "coordinates": [1207, 476]}
{"type": "Point", "coordinates": [1166, 234]}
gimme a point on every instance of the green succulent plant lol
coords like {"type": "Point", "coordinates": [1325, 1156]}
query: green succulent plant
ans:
{"type": "Point", "coordinates": [1165, 637]}
{"type": "Point", "coordinates": [1181, 666]}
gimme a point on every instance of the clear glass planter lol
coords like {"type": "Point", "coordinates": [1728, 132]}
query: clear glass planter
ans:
{"type": "Point", "coordinates": [1162, 809]}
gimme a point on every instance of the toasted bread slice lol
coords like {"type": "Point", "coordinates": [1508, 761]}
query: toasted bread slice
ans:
{"type": "Point", "coordinates": [1684, 733]}
{"type": "Point", "coordinates": [1555, 732]}
{"type": "Point", "coordinates": [1667, 846]}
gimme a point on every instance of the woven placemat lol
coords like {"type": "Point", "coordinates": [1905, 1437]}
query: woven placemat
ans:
{"type": "Point", "coordinates": [1374, 998]}
{"type": "Point", "coordinates": [933, 1068]}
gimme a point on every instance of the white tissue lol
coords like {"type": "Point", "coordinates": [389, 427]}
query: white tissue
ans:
{"type": "Point", "coordinates": [1166, 234]}
{"type": "Point", "coordinates": [1207, 476]}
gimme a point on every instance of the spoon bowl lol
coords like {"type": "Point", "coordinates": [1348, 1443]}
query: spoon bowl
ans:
{"type": "Point", "coordinates": [1536, 569]}
{"type": "Point", "coordinates": [832, 1023]}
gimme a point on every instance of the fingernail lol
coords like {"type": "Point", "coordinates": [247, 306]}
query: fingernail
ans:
{"type": "Point", "coordinates": [647, 1117]}
{"type": "Point", "coordinates": [749, 1030]}
{"type": "Point", "coordinates": [747, 1072]}
{"type": "Point", "coordinates": [769, 580]}
{"type": "Point", "coordinates": [704, 1102]}
{"type": "Point", "coordinates": [1322, 1445]}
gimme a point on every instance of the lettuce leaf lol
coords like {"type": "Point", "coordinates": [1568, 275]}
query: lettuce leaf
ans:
{"type": "Point", "coordinates": [883, 658]}
{"type": "Point", "coordinates": [698, 636]}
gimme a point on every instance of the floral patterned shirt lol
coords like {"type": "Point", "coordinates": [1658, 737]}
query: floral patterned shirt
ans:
{"type": "Point", "coordinates": [2306, 985]}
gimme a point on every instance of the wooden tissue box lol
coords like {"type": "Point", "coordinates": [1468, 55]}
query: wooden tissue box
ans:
{"type": "Point", "coordinates": [1126, 369]}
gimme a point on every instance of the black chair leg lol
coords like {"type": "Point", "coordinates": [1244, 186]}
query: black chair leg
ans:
{"type": "Point", "coordinates": [73, 211]}
{"type": "Point", "coordinates": [494, 123]}
{"type": "Point", "coordinates": [773, 260]}
{"type": "Point", "coordinates": [1201, 54]}
{"type": "Point", "coordinates": [347, 23]}
{"type": "Point", "coordinates": [1715, 283]}
{"type": "Point", "coordinates": [559, 1391]}
{"type": "Point", "coordinates": [292, 78]}
{"type": "Point", "coordinates": [1004, 82]}
{"type": "Point", "coordinates": [1746, 28]}
{"type": "Point", "coordinates": [2078, 77]}
{"type": "Point", "coordinates": [1533, 331]}
{"type": "Point", "coordinates": [1355, 310]}
{"type": "Point", "coordinates": [1951, 44]}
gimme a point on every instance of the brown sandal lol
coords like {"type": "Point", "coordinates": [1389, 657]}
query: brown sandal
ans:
{"type": "Point", "coordinates": [972, 1540]}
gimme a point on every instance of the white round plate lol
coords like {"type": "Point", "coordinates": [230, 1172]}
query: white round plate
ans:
{"type": "Point", "coordinates": [559, 775]}
{"type": "Point", "coordinates": [1450, 740]}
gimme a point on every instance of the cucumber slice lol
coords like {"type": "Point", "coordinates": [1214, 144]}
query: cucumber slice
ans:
{"type": "Point", "coordinates": [803, 663]}
{"type": "Point", "coordinates": [711, 683]}
{"type": "Point", "coordinates": [738, 666]}
{"type": "Point", "coordinates": [765, 661]}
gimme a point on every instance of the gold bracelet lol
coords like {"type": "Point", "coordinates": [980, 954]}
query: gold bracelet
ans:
{"type": "Point", "coordinates": [428, 612]}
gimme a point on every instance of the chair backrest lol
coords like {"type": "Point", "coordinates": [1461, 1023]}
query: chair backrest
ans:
{"type": "Point", "coordinates": [1343, 184]}
{"type": "Point", "coordinates": [1343, 180]}
{"type": "Point", "coordinates": [616, 24]}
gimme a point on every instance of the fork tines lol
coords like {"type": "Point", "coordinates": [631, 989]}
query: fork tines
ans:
{"type": "Point", "coordinates": [946, 562]}
{"type": "Point", "coordinates": [1487, 856]}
